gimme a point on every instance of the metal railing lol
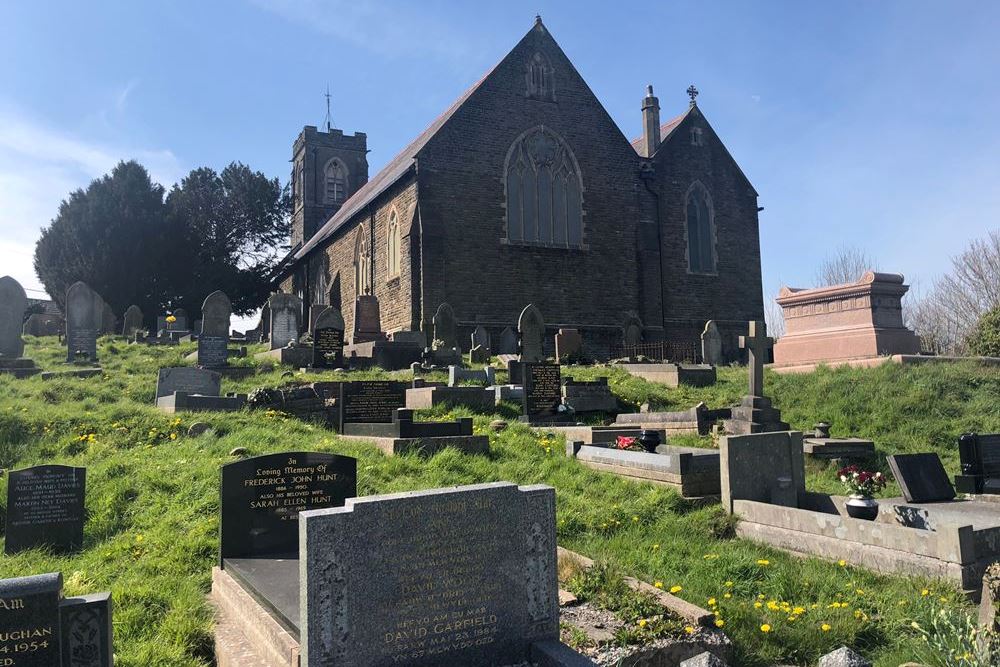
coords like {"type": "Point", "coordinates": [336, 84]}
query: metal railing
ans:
{"type": "Point", "coordinates": [666, 350]}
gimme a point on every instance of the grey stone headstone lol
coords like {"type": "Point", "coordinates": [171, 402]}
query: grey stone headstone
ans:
{"type": "Point", "coordinates": [132, 321]}
{"type": "Point", "coordinates": [13, 303]}
{"type": "Point", "coordinates": [444, 328]}
{"type": "Point", "coordinates": [531, 330]}
{"type": "Point", "coordinates": [87, 635]}
{"type": "Point", "coordinates": [367, 319]}
{"type": "Point", "coordinates": [188, 380]}
{"type": "Point", "coordinates": [108, 319]}
{"type": "Point", "coordinates": [84, 308]}
{"type": "Point", "coordinates": [632, 330]}
{"type": "Point", "coordinates": [481, 338]}
{"type": "Point", "coordinates": [752, 466]}
{"type": "Point", "coordinates": [508, 342]}
{"type": "Point", "coordinates": [843, 657]}
{"type": "Point", "coordinates": [472, 568]}
{"type": "Point", "coordinates": [32, 604]}
{"type": "Point", "coordinates": [569, 346]}
{"type": "Point", "coordinates": [328, 339]}
{"type": "Point", "coordinates": [711, 344]}
{"type": "Point", "coordinates": [922, 478]}
{"type": "Point", "coordinates": [213, 339]}
{"type": "Point", "coordinates": [45, 507]}
{"type": "Point", "coordinates": [285, 309]}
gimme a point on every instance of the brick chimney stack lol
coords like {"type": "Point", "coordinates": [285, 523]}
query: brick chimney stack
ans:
{"type": "Point", "coordinates": [650, 123]}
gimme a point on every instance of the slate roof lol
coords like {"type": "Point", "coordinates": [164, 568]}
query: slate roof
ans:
{"type": "Point", "coordinates": [665, 130]}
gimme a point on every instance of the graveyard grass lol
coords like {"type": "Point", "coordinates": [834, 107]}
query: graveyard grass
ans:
{"type": "Point", "coordinates": [152, 499]}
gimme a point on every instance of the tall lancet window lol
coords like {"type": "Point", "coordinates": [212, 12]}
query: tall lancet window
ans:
{"type": "Point", "coordinates": [544, 191]}
{"type": "Point", "coordinates": [393, 246]}
{"type": "Point", "coordinates": [336, 182]}
{"type": "Point", "coordinates": [700, 230]}
{"type": "Point", "coordinates": [540, 79]}
{"type": "Point", "coordinates": [362, 263]}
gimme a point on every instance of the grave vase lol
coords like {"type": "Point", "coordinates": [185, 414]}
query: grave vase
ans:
{"type": "Point", "coordinates": [859, 507]}
{"type": "Point", "coordinates": [649, 440]}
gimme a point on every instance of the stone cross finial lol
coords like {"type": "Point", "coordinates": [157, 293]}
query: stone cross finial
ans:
{"type": "Point", "coordinates": [756, 344]}
{"type": "Point", "coordinates": [692, 93]}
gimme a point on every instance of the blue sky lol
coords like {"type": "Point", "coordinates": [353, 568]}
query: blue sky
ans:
{"type": "Point", "coordinates": [872, 124]}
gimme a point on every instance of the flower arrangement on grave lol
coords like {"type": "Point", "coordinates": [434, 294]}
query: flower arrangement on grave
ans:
{"type": "Point", "coordinates": [171, 319]}
{"type": "Point", "coordinates": [862, 483]}
{"type": "Point", "coordinates": [628, 444]}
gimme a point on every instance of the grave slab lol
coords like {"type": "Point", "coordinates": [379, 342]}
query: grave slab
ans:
{"type": "Point", "coordinates": [673, 375]}
{"type": "Point", "coordinates": [691, 471]}
{"type": "Point", "coordinates": [921, 477]}
{"type": "Point", "coordinates": [476, 398]}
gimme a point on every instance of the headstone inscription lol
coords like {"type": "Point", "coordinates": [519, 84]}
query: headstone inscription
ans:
{"type": "Point", "coordinates": [194, 381]}
{"type": "Point", "coordinates": [286, 309]}
{"type": "Point", "coordinates": [508, 342]}
{"type": "Point", "coordinates": [83, 321]}
{"type": "Point", "coordinates": [430, 578]}
{"type": "Point", "coordinates": [132, 321]}
{"type": "Point", "coordinates": [542, 391]}
{"type": "Point", "coordinates": [261, 497]}
{"type": "Point", "coordinates": [711, 344]}
{"type": "Point", "coordinates": [328, 339]}
{"type": "Point", "coordinates": [45, 507]}
{"type": "Point", "coordinates": [980, 457]}
{"type": "Point", "coordinates": [13, 302]}
{"type": "Point", "coordinates": [213, 339]}
{"type": "Point", "coordinates": [922, 477]}
{"type": "Point", "coordinates": [370, 402]}
{"type": "Point", "coordinates": [531, 330]}
{"type": "Point", "coordinates": [29, 621]}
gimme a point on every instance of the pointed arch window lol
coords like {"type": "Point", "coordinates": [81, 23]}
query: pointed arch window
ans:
{"type": "Point", "coordinates": [544, 191]}
{"type": "Point", "coordinates": [540, 79]}
{"type": "Point", "coordinates": [700, 230]}
{"type": "Point", "coordinates": [335, 180]}
{"type": "Point", "coordinates": [362, 263]}
{"type": "Point", "coordinates": [393, 246]}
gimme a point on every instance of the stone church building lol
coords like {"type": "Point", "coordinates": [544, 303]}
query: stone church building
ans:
{"type": "Point", "coordinates": [525, 191]}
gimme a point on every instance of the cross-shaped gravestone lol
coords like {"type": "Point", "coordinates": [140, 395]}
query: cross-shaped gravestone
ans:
{"type": "Point", "coordinates": [756, 344]}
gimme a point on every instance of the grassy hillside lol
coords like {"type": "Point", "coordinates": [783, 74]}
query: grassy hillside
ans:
{"type": "Point", "coordinates": [153, 500]}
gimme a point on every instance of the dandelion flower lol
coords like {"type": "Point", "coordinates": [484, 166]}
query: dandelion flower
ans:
{"type": "Point", "coordinates": [642, 622]}
{"type": "Point", "coordinates": [727, 595]}
{"type": "Point", "coordinates": [729, 583]}
{"type": "Point", "coordinates": [825, 627]}
{"type": "Point", "coordinates": [763, 561]}
{"type": "Point", "coordinates": [719, 623]}
{"type": "Point", "coordinates": [765, 628]}
{"type": "Point", "coordinates": [925, 592]}
{"type": "Point", "coordinates": [676, 589]}
{"type": "Point", "coordinates": [842, 563]}
{"type": "Point", "coordinates": [659, 584]}
{"type": "Point", "coordinates": [688, 629]}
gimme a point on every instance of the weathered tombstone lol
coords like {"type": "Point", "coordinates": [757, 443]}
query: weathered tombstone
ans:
{"type": "Point", "coordinates": [531, 331]}
{"type": "Point", "coordinates": [445, 336]}
{"type": "Point", "coordinates": [632, 330]}
{"type": "Point", "coordinates": [108, 319]}
{"type": "Point", "coordinates": [195, 381]}
{"type": "Point", "coordinates": [763, 467]}
{"type": "Point", "coordinates": [370, 402]}
{"type": "Point", "coordinates": [13, 303]}
{"type": "Point", "coordinates": [87, 635]}
{"type": "Point", "coordinates": [328, 339]}
{"type": "Point", "coordinates": [480, 351]}
{"type": "Point", "coordinates": [508, 342]}
{"type": "Point", "coordinates": [29, 621]}
{"type": "Point", "coordinates": [213, 339]}
{"type": "Point", "coordinates": [367, 320]}
{"type": "Point", "coordinates": [384, 575]}
{"type": "Point", "coordinates": [83, 321]}
{"type": "Point", "coordinates": [711, 344]}
{"type": "Point", "coordinates": [542, 391]}
{"type": "Point", "coordinates": [285, 312]}
{"type": "Point", "coordinates": [261, 497]}
{"type": "Point", "coordinates": [133, 321]}
{"type": "Point", "coordinates": [921, 477]}
{"type": "Point", "coordinates": [755, 414]}
{"type": "Point", "coordinates": [569, 346]}
{"type": "Point", "coordinates": [45, 507]}
{"type": "Point", "coordinates": [980, 457]}
{"type": "Point", "coordinates": [180, 322]}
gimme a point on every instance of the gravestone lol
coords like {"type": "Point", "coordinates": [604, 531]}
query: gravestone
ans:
{"type": "Point", "coordinates": [29, 621]}
{"type": "Point", "coordinates": [328, 339]}
{"type": "Point", "coordinates": [531, 331]}
{"type": "Point", "coordinates": [445, 336]}
{"type": "Point", "coordinates": [43, 324]}
{"type": "Point", "coordinates": [370, 402]}
{"type": "Point", "coordinates": [108, 319]}
{"type": "Point", "coordinates": [132, 321]}
{"type": "Point", "coordinates": [569, 346]}
{"type": "Point", "coordinates": [84, 307]}
{"type": "Point", "coordinates": [430, 578]}
{"type": "Point", "coordinates": [711, 344]}
{"type": "Point", "coordinates": [508, 342]}
{"type": "Point", "coordinates": [980, 457]}
{"type": "Point", "coordinates": [285, 309]}
{"type": "Point", "coordinates": [194, 381]}
{"type": "Point", "coordinates": [213, 338]}
{"type": "Point", "coordinates": [13, 303]}
{"type": "Point", "coordinates": [45, 507]}
{"type": "Point", "coordinates": [762, 467]}
{"type": "Point", "coordinates": [542, 391]}
{"type": "Point", "coordinates": [632, 330]}
{"type": "Point", "coordinates": [86, 628]}
{"type": "Point", "coordinates": [921, 477]}
{"type": "Point", "coordinates": [481, 346]}
{"type": "Point", "coordinates": [755, 413]}
{"type": "Point", "coordinates": [261, 497]}
{"type": "Point", "coordinates": [367, 320]}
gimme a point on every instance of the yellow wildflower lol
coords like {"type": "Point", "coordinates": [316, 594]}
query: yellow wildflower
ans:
{"type": "Point", "coordinates": [719, 623]}
{"type": "Point", "coordinates": [925, 592]}
{"type": "Point", "coordinates": [765, 628]}
{"type": "Point", "coordinates": [763, 561]}
{"type": "Point", "coordinates": [659, 584]}
{"type": "Point", "coordinates": [688, 629]}
{"type": "Point", "coordinates": [676, 589]}
{"type": "Point", "coordinates": [842, 563]}
{"type": "Point", "coordinates": [642, 622]}
{"type": "Point", "coordinates": [825, 627]}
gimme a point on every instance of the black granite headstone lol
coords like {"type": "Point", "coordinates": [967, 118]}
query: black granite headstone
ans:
{"type": "Point", "coordinates": [213, 351]}
{"type": "Point", "coordinates": [328, 348]}
{"type": "Point", "coordinates": [262, 496]}
{"type": "Point", "coordinates": [45, 507]}
{"type": "Point", "coordinates": [29, 621]}
{"type": "Point", "coordinates": [542, 391]}
{"type": "Point", "coordinates": [921, 477]}
{"type": "Point", "coordinates": [980, 456]}
{"type": "Point", "coordinates": [370, 401]}
{"type": "Point", "coordinates": [87, 637]}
